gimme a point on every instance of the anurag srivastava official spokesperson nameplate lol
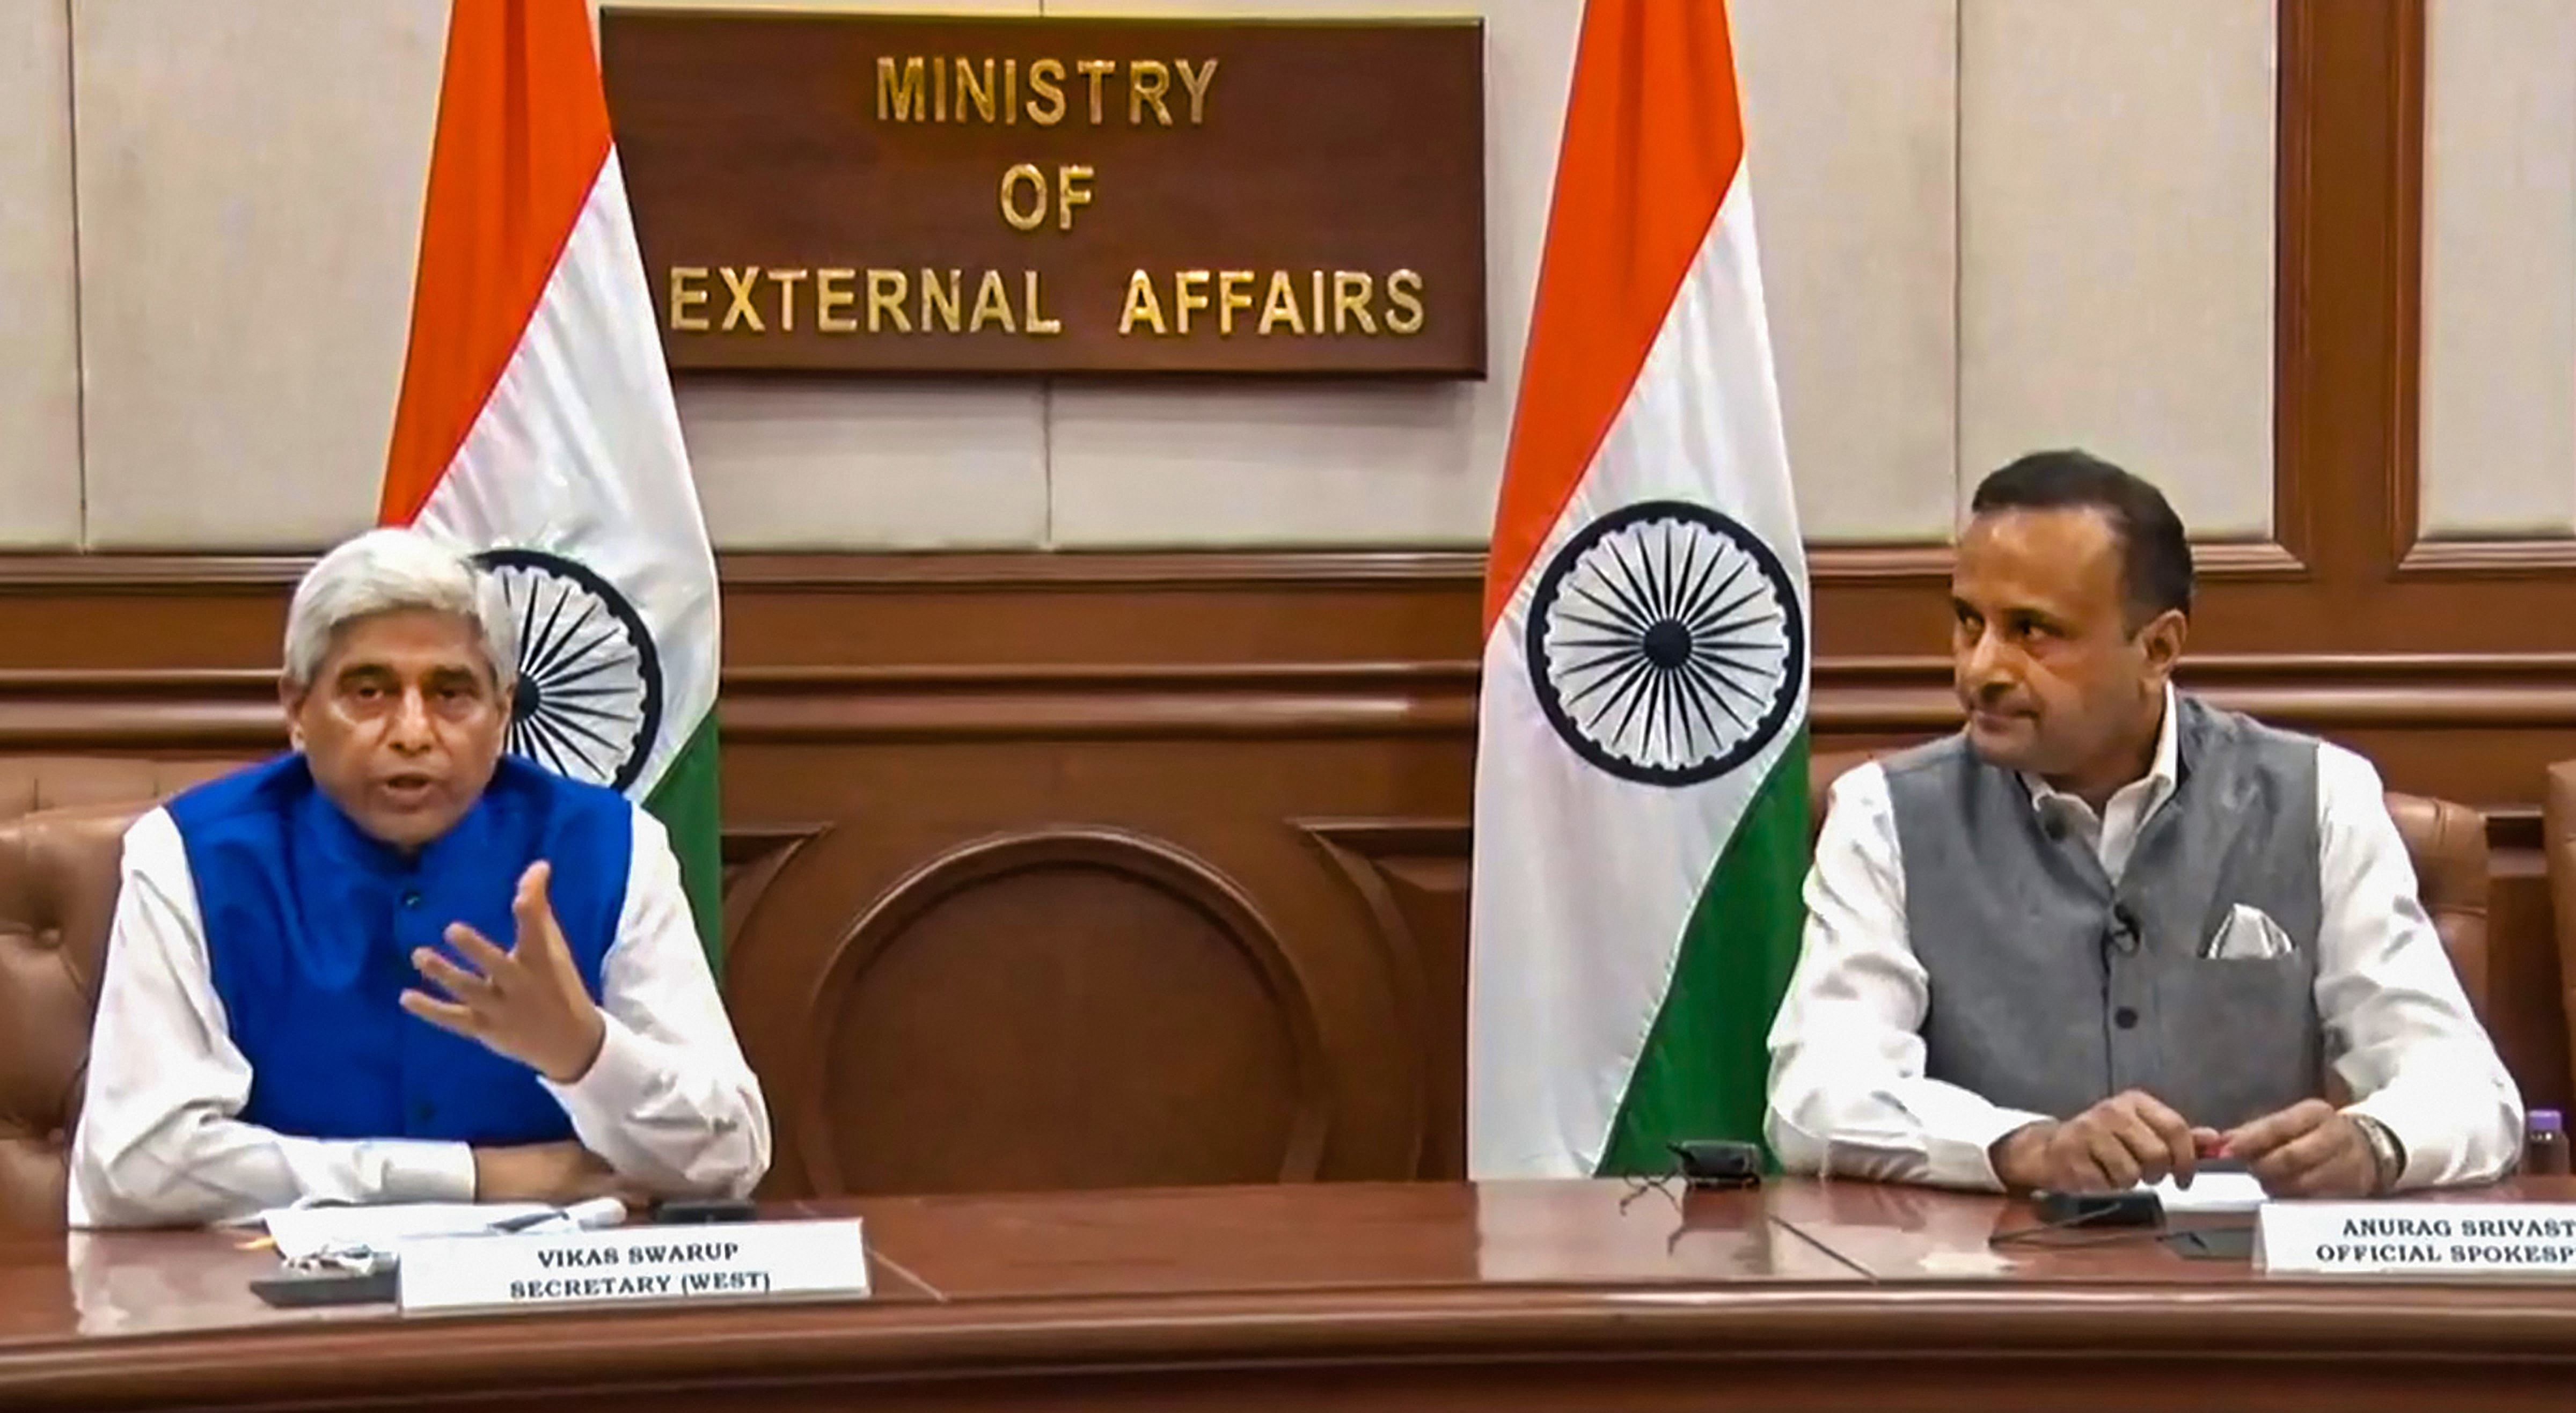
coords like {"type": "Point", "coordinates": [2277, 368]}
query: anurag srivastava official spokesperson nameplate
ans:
{"type": "Point", "coordinates": [917, 194]}
{"type": "Point", "coordinates": [2447, 1238]}
{"type": "Point", "coordinates": [732, 1261]}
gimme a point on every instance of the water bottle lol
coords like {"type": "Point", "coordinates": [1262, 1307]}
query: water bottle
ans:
{"type": "Point", "coordinates": [2544, 1144]}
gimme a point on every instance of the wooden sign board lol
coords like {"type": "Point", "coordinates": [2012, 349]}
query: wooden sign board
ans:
{"type": "Point", "coordinates": [945, 195]}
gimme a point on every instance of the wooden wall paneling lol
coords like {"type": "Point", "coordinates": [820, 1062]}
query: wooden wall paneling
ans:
{"type": "Point", "coordinates": [2294, 388]}
{"type": "Point", "coordinates": [144, 612]}
{"type": "Point", "coordinates": [2344, 573]}
{"type": "Point", "coordinates": [2418, 560]}
{"type": "Point", "coordinates": [1413, 876]}
{"type": "Point", "coordinates": [1120, 958]}
{"type": "Point", "coordinates": [1067, 1007]}
{"type": "Point", "coordinates": [2347, 197]}
{"type": "Point", "coordinates": [2438, 590]}
{"type": "Point", "coordinates": [1103, 611]}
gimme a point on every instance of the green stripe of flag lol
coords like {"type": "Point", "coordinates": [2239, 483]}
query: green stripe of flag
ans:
{"type": "Point", "coordinates": [689, 805]}
{"type": "Point", "coordinates": [1706, 1063]}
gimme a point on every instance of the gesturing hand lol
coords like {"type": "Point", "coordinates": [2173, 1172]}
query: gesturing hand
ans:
{"type": "Point", "coordinates": [2129, 1138]}
{"type": "Point", "coordinates": [2309, 1149]}
{"type": "Point", "coordinates": [527, 1003]}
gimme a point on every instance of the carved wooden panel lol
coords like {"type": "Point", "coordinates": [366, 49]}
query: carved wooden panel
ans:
{"type": "Point", "coordinates": [1034, 958]}
{"type": "Point", "coordinates": [1413, 877]}
{"type": "Point", "coordinates": [1074, 1008]}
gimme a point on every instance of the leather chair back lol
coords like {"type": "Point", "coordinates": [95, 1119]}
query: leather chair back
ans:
{"type": "Point", "coordinates": [2446, 841]}
{"type": "Point", "coordinates": [62, 823]}
{"type": "Point", "coordinates": [2558, 833]}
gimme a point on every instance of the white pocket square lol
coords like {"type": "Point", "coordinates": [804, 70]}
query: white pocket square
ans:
{"type": "Point", "coordinates": [2248, 935]}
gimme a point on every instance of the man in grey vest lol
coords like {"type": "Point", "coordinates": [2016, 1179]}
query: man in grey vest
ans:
{"type": "Point", "coordinates": [2108, 931]}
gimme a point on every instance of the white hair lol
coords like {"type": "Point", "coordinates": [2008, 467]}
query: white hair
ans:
{"type": "Point", "coordinates": [382, 571]}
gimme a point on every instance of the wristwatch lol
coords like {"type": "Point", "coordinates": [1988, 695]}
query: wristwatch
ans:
{"type": "Point", "coordinates": [2386, 1154]}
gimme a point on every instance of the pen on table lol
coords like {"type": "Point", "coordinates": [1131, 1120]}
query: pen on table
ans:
{"type": "Point", "coordinates": [592, 1215]}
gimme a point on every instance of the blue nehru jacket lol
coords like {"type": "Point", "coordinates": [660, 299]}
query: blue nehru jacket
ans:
{"type": "Point", "coordinates": [310, 925]}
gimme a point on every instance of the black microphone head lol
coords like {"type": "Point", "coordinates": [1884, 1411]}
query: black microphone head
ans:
{"type": "Point", "coordinates": [2052, 824]}
{"type": "Point", "coordinates": [2124, 928]}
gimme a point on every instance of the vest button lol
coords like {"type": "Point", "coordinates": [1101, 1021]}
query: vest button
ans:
{"type": "Point", "coordinates": [2126, 1018]}
{"type": "Point", "coordinates": [411, 898]}
{"type": "Point", "coordinates": [422, 1111]}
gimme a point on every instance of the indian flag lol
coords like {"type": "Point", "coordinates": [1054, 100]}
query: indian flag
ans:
{"type": "Point", "coordinates": [537, 428]}
{"type": "Point", "coordinates": [1641, 811]}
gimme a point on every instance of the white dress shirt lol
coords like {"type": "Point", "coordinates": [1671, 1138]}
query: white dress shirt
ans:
{"type": "Point", "coordinates": [668, 1102]}
{"type": "Point", "coordinates": [1848, 1094]}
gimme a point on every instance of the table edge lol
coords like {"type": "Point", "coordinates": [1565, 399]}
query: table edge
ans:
{"type": "Point", "coordinates": [444, 1357]}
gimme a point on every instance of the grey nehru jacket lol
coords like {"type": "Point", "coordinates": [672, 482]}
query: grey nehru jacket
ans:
{"type": "Point", "coordinates": [2053, 987]}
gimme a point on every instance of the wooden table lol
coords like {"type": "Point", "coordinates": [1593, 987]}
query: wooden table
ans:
{"type": "Point", "coordinates": [1513, 1296]}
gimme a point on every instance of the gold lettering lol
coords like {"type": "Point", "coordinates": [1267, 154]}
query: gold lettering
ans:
{"type": "Point", "coordinates": [1142, 306]}
{"type": "Point", "coordinates": [940, 298]}
{"type": "Point", "coordinates": [1404, 291]}
{"type": "Point", "coordinates": [787, 280]}
{"type": "Point", "coordinates": [1010, 91]}
{"type": "Point", "coordinates": [1147, 81]}
{"type": "Point", "coordinates": [1024, 172]}
{"type": "Point", "coordinates": [1233, 292]}
{"type": "Point", "coordinates": [1197, 84]}
{"type": "Point", "coordinates": [994, 301]}
{"type": "Point", "coordinates": [832, 291]}
{"type": "Point", "coordinates": [1351, 297]}
{"type": "Point", "coordinates": [688, 291]}
{"type": "Point", "coordinates": [1281, 305]}
{"type": "Point", "coordinates": [1317, 285]}
{"type": "Point", "coordinates": [974, 89]}
{"type": "Point", "coordinates": [899, 100]}
{"type": "Point", "coordinates": [1034, 320]}
{"type": "Point", "coordinates": [939, 87]}
{"type": "Point", "coordinates": [739, 283]}
{"type": "Point", "coordinates": [1184, 299]}
{"type": "Point", "coordinates": [1070, 192]}
{"type": "Point", "coordinates": [885, 301]}
{"type": "Point", "coordinates": [1046, 79]}
{"type": "Point", "coordinates": [1095, 70]}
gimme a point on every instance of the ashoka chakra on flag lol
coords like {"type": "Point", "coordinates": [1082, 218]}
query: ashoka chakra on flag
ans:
{"type": "Point", "coordinates": [589, 698]}
{"type": "Point", "coordinates": [1665, 643]}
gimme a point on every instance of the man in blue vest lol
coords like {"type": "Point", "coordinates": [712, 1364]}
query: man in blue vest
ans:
{"type": "Point", "coordinates": [396, 965]}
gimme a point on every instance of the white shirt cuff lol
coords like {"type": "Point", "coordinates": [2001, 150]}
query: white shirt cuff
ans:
{"type": "Point", "coordinates": [1917, 1130]}
{"type": "Point", "coordinates": [1962, 1154]}
{"type": "Point", "coordinates": [418, 1170]}
{"type": "Point", "coordinates": [2428, 1154]}
{"type": "Point", "coordinates": [614, 1089]}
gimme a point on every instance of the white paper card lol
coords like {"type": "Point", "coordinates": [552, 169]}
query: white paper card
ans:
{"type": "Point", "coordinates": [303, 1231]}
{"type": "Point", "coordinates": [724, 1261]}
{"type": "Point", "coordinates": [2210, 1193]}
{"type": "Point", "coordinates": [2417, 1239]}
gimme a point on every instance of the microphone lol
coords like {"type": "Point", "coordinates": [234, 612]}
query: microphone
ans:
{"type": "Point", "coordinates": [2124, 928]}
{"type": "Point", "coordinates": [2052, 824]}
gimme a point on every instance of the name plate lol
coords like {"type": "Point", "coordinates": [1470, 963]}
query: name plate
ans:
{"type": "Point", "coordinates": [749, 1260]}
{"type": "Point", "coordinates": [2417, 1239]}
